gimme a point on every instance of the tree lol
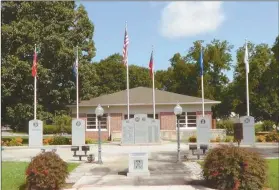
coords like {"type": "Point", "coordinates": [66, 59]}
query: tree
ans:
{"type": "Point", "coordinates": [57, 28]}
{"type": "Point", "coordinates": [262, 83]}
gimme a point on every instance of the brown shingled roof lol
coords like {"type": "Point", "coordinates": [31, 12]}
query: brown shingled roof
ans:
{"type": "Point", "coordinates": [143, 96]}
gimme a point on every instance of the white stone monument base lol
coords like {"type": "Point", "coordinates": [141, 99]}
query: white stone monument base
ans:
{"type": "Point", "coordinates": [138, 164]}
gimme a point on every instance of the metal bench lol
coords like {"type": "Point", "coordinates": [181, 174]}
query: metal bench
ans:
{"type": "Point", "coordinates": [85, 149]}
{"type": "Point", "coordinates": [200, 151]}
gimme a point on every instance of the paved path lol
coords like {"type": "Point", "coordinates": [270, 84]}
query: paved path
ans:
{"type": "Point", "coordinates": [168, 187]}
{"type": "Point", "coordinates": [165, 172]}
{"type": "Point", "coordinates": [110, 151]}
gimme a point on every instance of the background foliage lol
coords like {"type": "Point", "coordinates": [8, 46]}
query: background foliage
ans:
{"type": "Point", "coordinates": [58, 27]}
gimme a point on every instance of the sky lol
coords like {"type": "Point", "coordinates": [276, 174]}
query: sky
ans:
{"type": "Point", "coordinates": [172, 27]}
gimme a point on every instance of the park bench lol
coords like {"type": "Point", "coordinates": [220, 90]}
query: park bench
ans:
{"type": "Point", "coordinates": [85, 149]}
{"type": "Point", "coordinates": [198, 152]}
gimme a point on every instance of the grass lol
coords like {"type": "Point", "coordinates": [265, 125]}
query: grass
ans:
{"type": "Point", "coordinates": [273, 174]}
{"type": "Point", "coordinates": [13, 174]}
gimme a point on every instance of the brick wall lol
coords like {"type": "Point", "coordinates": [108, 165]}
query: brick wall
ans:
{"type": "Point", "coordinates": [167, 121]}
{"type": "Point", "coordinates": [94, 135]}
{"type": "Point", "coordinates": [115, 122]}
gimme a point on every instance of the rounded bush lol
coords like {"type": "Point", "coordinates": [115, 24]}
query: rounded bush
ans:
{"type": "Point", "coordinates": [46, 171]}
{"type": "Point", "coordinates": [192, 139]}
{"type": "Point", "coordinates": [233, 168]}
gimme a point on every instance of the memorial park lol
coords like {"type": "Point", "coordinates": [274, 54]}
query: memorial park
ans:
{"type": "Point", "coordinates": [82, 110]}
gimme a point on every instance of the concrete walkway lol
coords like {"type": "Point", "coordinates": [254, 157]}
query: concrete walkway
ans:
{"type": "Point", "coordinates": [168, 187]}
{"type": "Point", "coordinates": [165, 173]}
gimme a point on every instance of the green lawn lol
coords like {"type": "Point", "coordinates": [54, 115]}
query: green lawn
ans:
{"type": "Point", "coordinates": [13, 174]}
{"type": "Point", "coordinates": [273, 174]}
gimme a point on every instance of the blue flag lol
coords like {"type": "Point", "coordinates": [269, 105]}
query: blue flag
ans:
{"type": "Point", "coordinates": [201, 62]}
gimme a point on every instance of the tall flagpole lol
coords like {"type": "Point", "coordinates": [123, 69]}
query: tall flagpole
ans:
{"type": "Point", "coordinates": [153, 85]}
{"type": "Point", "coordinates": [247, 75]}
{"type": "Point", "coordinates": [126, 42]}
{"type": "Point", "coordinates": [201, 65]}
{"type": "Point", "coordinates": [77, 84]}
{"type": "Point", "coordinates": [35, 88]}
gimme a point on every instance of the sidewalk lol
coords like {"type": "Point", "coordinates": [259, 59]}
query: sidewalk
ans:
{"type": "Point", "coordinates": [170, 187]}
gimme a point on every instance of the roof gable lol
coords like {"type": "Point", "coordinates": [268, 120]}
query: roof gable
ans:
{"type": "Point", "coordinates": [143, 96]}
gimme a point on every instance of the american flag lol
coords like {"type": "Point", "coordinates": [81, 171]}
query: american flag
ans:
{"type": "Point", "coordinates": [125, 47]}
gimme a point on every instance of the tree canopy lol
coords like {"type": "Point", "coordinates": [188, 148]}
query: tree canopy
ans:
{"type": "Point", "coordinates": [57, 28]}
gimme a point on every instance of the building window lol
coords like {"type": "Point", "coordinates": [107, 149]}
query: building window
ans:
{"type": "Point", "coordinates": [92, 121]}
{"type": "Point", "coordinates": [151, 116]}
{"type": "Point", "coordinates": [188, 119]}
{"type": "Point", "coordinates": [126, 116]}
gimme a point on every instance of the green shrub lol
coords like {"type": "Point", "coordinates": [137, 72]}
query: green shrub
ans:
{"type": "Point", "coordinates": [50, 129]}
{"type": "Point", "coordinates": [225, 124]}
{"type": "Point", "coordinates": [272, 137]}
{"type": "Point", "coordinates": [229, 139]}
{"type": "Point", "coordinates": [268, 125]}
{"type": "Point", "coordinates": [68, 129]}
{"type": "Point", "coordinates": [228, 167]}
{"type": "Point", "coordinates": [258, 127]}
{"type": "Point", "coordinates": [46, 171]}
{"type": "Point", "coordinates": [192, 139]}
{"type": "Point", "coordinates": [62, 122]}
{"type": "Point", "coordinates": [89, 141]}
{"type": "Point", "coordinates": [60, 140]}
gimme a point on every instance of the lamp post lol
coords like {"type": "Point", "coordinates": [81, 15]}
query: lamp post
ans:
{"type": "Point", "coordinates": [178, 111]}
{"type": "Point", "coordinates": [99, 111]}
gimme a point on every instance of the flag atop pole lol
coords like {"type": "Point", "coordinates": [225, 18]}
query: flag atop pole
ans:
{"type": "Point", "coordinates": [246, 61]}
{"type": "Point", "coordinates": [125, 62]}
{"type": "Point", "coordinates": [34, 74]}
{"type": "Point", "coordinates": [151, 72]}
{"type": "Point", "coordinates": [75, 71]}
{"type": "Point", "coordinates": [201, 73]}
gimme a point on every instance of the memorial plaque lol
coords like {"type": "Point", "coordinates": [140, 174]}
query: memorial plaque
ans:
{"type": "Point", "coordinates": [128, 133]}
{"type": "Point", "coordinates": [138, 164]}
{"type": "Point", "coordinates": [203, 129]}
{"type": "Point", "coordinates": [35, 133]}
{"type": "Point", "coordinates": [140, 130]}
{"type": "Point", "coordinates": [78, 132]}
{"type": "Point", "coordinates": [248, 124]}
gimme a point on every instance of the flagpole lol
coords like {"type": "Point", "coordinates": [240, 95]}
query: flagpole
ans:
{"type": "Point", "coordinates": [153, 85]}
{"type": "Point", "coordinates": [201, 59]}
{"type": "Point", "coordinates": [35, 89]}
{"type": "Point", "coordinates": [127, 73]}
{"type": "Point", "coordinates": [247, 83]}
{"type": "Point", "coordinates": [77, 84]}
{"type": "Point", "coordinates": [202, 96]}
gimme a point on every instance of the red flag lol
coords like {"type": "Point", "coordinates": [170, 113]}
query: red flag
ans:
{"type": "Point", "coordinates": [125, 47]}
{"type": "Point", "coordinates": [151, 64]}
{"type": "Point", "coordinates": [34, 66]}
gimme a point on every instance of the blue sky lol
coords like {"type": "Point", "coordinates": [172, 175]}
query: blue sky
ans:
{"type": "Point", "coordinates": [173, 26]}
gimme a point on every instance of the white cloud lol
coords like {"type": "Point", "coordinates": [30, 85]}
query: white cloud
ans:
{"type": "Point", "coordinates": [185, 19]}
